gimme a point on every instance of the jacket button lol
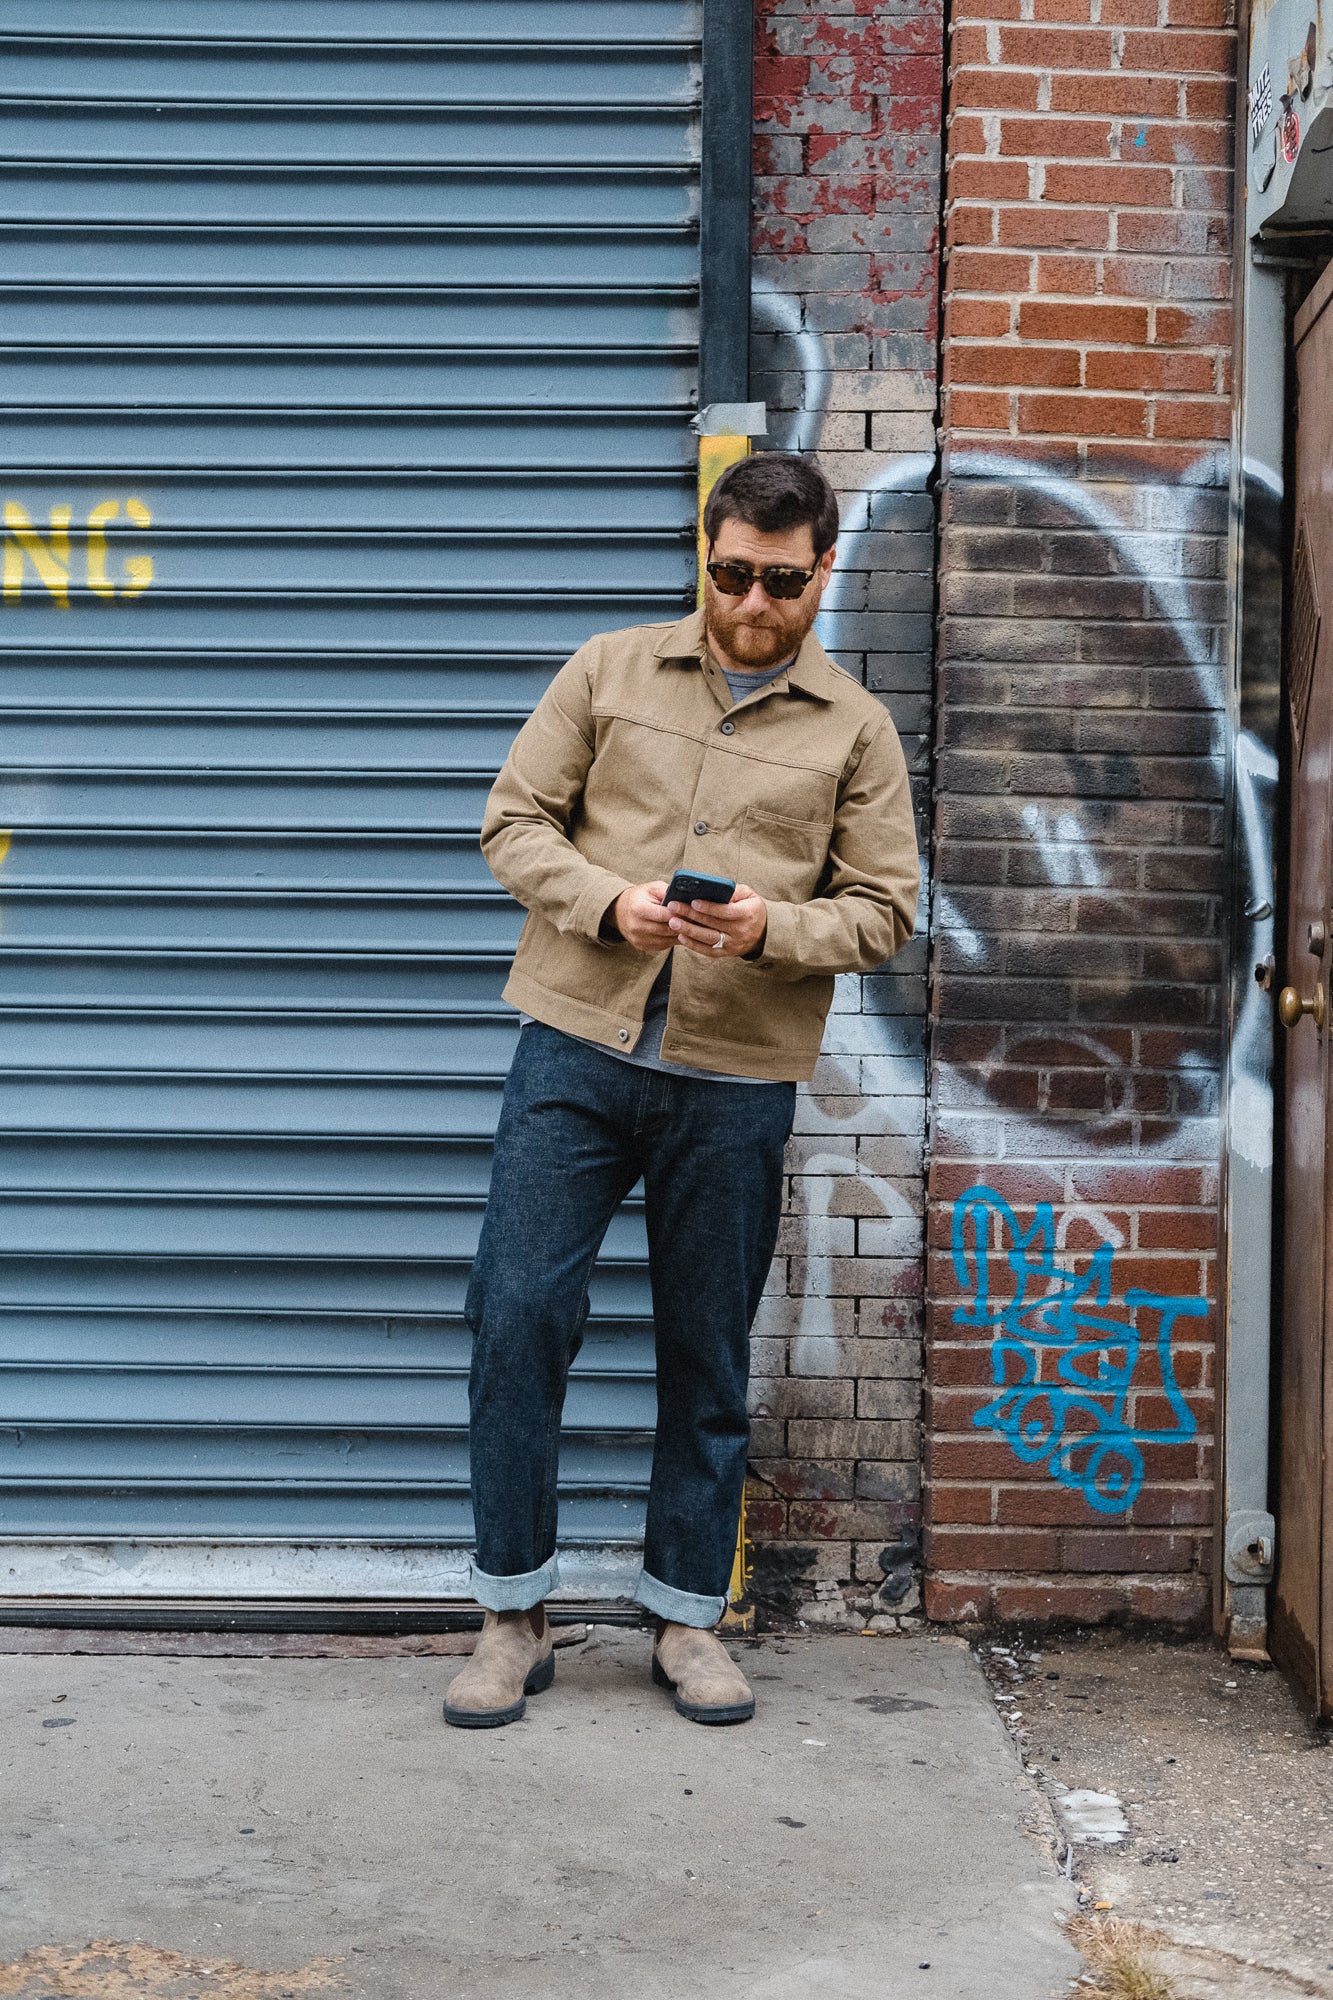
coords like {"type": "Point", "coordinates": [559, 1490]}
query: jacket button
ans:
{"type": "Point", "coordinates": [728, 729]}
{"type": "Point", "coordinates": [701, 826]}
{"type": "Point", "coordinates": [622, 1034]}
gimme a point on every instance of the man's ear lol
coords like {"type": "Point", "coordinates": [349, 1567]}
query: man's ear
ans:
{"type": "Point", "coordinates": [826, 564]}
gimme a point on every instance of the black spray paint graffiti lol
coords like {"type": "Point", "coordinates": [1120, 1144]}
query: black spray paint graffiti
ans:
{"type": "Point", "coordinates": [1058, 834]}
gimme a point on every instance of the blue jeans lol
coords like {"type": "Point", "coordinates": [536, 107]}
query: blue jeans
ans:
{"type": "Point", "coordinates": [576, 1132]}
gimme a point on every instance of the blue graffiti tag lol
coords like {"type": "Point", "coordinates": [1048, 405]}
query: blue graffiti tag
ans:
{"type": "Point", "coordinates": [1076, 1421]}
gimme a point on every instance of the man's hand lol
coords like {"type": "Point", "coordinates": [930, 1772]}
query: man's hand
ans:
{"type": "Point", "coordinates": [640, 915]}
{"type": "Point", "coordinates": [741, 924]}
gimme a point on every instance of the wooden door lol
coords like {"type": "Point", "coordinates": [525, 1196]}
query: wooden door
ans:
{"type": "Point", "coordinates": [1303, 1612]}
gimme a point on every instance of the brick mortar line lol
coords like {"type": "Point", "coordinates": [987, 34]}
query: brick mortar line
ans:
{"type": "Point", "coordinates": [1026, 252]}
{"type": "Point", "coordinates": [978, 110]}
{"type": "Point", "coordinates": [1059, 709]}
{"type": "Point", "coordinates": [1071, 1579]}
{"type": "Point", "coordinates": [1111, 301]}
{"type": "Point", "coordinates": [1061, 73]}
{"type": "Point", "coordinates": [1071, 253]}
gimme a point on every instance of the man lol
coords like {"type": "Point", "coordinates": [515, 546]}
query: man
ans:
{"type": "Point", "coordinates": [666, 1042]}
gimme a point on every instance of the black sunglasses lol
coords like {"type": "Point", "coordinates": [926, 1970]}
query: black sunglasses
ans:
{"type": "Point", "coordinates": [737, 579]}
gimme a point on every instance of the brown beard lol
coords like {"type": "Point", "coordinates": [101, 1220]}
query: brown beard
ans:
{"type": "Point", "coordinates": [756, 646]}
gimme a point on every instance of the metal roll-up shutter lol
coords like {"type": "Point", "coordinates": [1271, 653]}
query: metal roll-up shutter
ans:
{"type": "Point", "coordinates": [348, 354]}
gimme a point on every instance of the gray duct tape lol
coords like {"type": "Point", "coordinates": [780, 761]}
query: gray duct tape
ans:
{"type": "Point", "coordinates": [732, 420]}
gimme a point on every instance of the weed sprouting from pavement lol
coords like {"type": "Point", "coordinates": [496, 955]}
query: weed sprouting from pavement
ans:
{"type": "Point", "coordinates": [1117, 1952]}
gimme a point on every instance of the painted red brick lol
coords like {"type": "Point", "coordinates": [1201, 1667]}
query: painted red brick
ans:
{"type": "Point", "coordinates": [847, 220]}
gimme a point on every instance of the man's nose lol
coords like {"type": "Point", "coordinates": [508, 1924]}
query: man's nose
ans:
{"type": "Point", "coordinates": [758, 598]}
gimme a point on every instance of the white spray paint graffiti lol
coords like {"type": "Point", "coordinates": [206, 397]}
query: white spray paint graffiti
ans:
{"type": "Point", "coordinates": [883, 1036]}
{"type": "Point", "coordinates": [884, 1033]}
{"type": "Point", "coordinates": [1063, 840]}
{"type": "Point", "coordinates": [775, 311]}
{"type": "Point", "coordinates": [1058, 835]}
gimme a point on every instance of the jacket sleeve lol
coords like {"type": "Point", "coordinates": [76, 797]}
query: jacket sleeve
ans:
{"type": "Point", "coordinates": [866, 908]}
{"type": "Point", "coordinates": [525, 829]}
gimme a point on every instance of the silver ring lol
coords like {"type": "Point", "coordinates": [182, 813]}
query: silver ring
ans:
{"type": "Point", "coordinates": [721, 940]}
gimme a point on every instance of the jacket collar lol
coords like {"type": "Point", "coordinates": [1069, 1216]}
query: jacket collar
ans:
{"type": "Point", "coordinates": [812, 671]}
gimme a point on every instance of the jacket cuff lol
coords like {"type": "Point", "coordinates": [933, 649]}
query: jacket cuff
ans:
{"type": "Point", "coordinates": [592, 904]}
{"type": "Point", "coordinates": [780, 939]}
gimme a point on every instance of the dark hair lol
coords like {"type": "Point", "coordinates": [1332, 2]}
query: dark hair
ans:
{"type": "Point", "coordinates": [774, 491]}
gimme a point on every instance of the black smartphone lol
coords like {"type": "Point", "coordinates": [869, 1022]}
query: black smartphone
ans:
{"type": "Point", "coordinates": [687, 887]}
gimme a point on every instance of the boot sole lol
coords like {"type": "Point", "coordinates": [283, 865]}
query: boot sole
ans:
{"type": "Point", "coordinates": [537, 1682]}
{"type": "Point", "coordinates": [697, 1711]}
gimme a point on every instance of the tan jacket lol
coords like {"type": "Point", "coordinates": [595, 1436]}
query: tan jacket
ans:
{"type": "Point", "coordinates": [634, 763]}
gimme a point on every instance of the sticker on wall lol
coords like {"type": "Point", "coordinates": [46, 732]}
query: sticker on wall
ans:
{"type": "Point", "coordinates": [1069, 1370]}
{"type": "Point", "coordinates": [1289, 131]}
{"type": "Point", "coordinates": [1261, 104]}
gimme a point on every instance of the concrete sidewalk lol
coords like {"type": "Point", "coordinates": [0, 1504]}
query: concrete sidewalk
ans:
{"type": "Point", "coordinates": [273, 1827]}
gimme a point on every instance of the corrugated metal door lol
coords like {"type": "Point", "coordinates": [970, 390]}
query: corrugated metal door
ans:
{"type": "Point", "coordinates": [346, 359]}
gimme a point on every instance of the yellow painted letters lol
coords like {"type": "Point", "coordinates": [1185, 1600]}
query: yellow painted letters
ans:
{"type": "Point", "coordinates": [50, 556]}
{"type": "Point", "coordinates": [139, 569]}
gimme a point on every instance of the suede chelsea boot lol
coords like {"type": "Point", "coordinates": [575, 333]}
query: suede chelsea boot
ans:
{"type": "Point", "coordinates": [708, 1684]}
{"type": "Point", "coordinates": [513, 1659]}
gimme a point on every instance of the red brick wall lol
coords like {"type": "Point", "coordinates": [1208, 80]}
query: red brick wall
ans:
{"type": "Point", "coordinates": [1089, 194]}
{"type": "Point", "coordinates": [1080, 756]}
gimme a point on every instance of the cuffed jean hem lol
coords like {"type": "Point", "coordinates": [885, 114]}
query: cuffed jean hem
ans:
{"type": "Point", "coordinates": [515, 1593]}
{"type": "Point", "coordinates": [680, 1607]}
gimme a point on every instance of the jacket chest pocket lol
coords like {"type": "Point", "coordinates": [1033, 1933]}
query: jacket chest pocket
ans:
{"type": "Point", "coordinates": [783, 858]}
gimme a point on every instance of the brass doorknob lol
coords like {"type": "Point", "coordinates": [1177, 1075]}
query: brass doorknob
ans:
{"type": "Point", "coordinates": [1290, 1006]}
